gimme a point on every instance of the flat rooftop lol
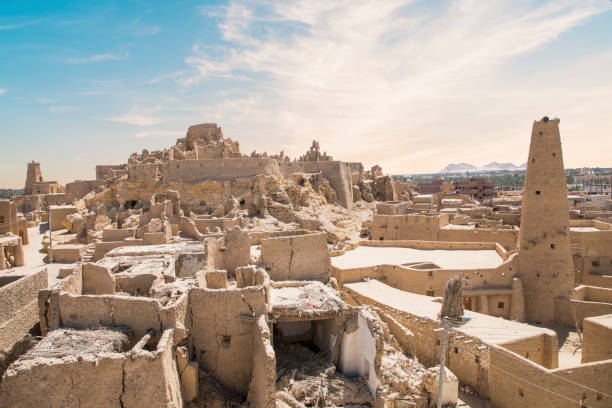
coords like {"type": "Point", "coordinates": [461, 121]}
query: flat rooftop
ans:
{"type": "Point", "coordinates": [584, 229]}
{"type": "Point", "coordinates": [489, 329]}
{"type": "Point", "coordinates": [365, 256]}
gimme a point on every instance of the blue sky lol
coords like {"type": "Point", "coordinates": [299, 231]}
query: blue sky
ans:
{"type": "Point", "coordinates": [411, 85]}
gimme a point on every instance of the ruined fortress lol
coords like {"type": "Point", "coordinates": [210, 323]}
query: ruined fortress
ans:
{"type": "Point", "coordinates": [199, 276]}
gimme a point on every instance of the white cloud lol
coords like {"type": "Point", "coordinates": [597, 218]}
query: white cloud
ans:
{"type": "Point", "coordinates": [16, 26]}
{"type": "Point", "coordinates": [97, 58]}
{"type": "Point", "coordinates": [2, 91]}
{"type": "Point", "coordinates": [44, 100]}
{"type": "Point", "coordinates": [159, 133]}
{"type": "Point", "coordinates": [393, 76]}
{"type": "Point", "coordinates": [167, 76]}
{"type": "Point", "coordinates": [139, 116]}
{"type": "Point", "coordinates": [62, 109]}
{"type": "Point", "coordinates": [138, 120]}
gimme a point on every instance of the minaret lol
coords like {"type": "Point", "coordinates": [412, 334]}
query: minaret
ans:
{"type": "Point", "coordinates": [34, 175]}
{"type": "Point", "coordinates": [545, 261]}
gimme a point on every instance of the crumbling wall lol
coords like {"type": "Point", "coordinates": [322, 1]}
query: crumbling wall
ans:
{"type": "Point", "coordinates": [302, 257]}
{"type": "Point", "coordinates": [191, 171]}
{"type": "Point", "coordinates": [58, 213]}
{"type": "Point", "coordinates": [79, 188]}
{"type": "Point", "coordinates": [338, 173]}
{"type": "Point", "coordinates": [92, 378]}
{"type": "Point", "coordinates": [61, 309]}
{"type": "Point", "coordinates": [229, 252]}
{"type": "Point", "coordinates": [224, 330]}
{"type": "Point", "coordinates": [262, 389]}
{"type": "Point", "coordinates": [151, 377]}
{"type": "Point", "coordinates": [18, 312]}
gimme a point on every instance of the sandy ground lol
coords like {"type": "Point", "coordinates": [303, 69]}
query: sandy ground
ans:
{"type": "Point", "coordinates": [365, 256]}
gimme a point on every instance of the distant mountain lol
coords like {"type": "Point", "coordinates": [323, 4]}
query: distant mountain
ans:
{"type": "Point", "coordinates": [470, 168]}
{"type": "Point", "coordinates": [459, 168]}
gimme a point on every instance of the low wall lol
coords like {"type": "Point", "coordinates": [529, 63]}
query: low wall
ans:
{"type": "Point", "coordinates": [109, 235]}
{"type": "Point", "coordinates": [505, 237]}
{"type": "Point", "coordinates": [572, 312]}
{"type": "Point", "coordinates": [596, 335]}
{"type": "Point", "coordinates": [518, 382]}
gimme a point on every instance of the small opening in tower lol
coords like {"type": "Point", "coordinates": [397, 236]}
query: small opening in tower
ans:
{"type": "Point", "coordinates": [553, 155]}
{"type": "Point", "coordinates": [538, 192]}
{"type": "Point", "coordinates": [533, 160]}
{"type": "Point", "coordinates": [540, 133]}
{"type": "Point", "coordinates": [552, 246]}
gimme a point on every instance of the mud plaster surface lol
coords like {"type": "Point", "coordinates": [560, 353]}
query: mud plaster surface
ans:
{"type": "Point", "coordinates": [365, 256]}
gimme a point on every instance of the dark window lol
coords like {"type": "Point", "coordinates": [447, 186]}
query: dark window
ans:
{"type": "Point", "coordinates": [552, 246]}
{"type": "Point", "coordinates": [227, 340]}
{"type": "Point", "coordinates": [595, 263]}
{"type": "Point", "coordinates": [538, 192]}
{"type": "Point", "coordinates": [456, 350]}
{"type": "Point", "coordinates": [500, 305]}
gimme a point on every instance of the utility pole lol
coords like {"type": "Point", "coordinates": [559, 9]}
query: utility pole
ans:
{"type": "Point", "coordinates": [442, 363]}
{"type": "Point", "coordinates": [50, 236]}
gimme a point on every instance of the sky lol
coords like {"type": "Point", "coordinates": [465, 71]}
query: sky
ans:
{"type": "Point", "coordinates": [410, 85]}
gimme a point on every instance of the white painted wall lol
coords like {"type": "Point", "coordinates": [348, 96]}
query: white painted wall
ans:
{"type": "Point", "coordinates": [358, 354]}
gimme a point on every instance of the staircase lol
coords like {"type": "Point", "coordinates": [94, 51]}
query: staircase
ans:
{"type": "Point", "coordinates": [89, 253]}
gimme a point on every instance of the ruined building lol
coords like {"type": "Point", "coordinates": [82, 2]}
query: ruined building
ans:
{"type": "Point", "coordinates": [197, 276]}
